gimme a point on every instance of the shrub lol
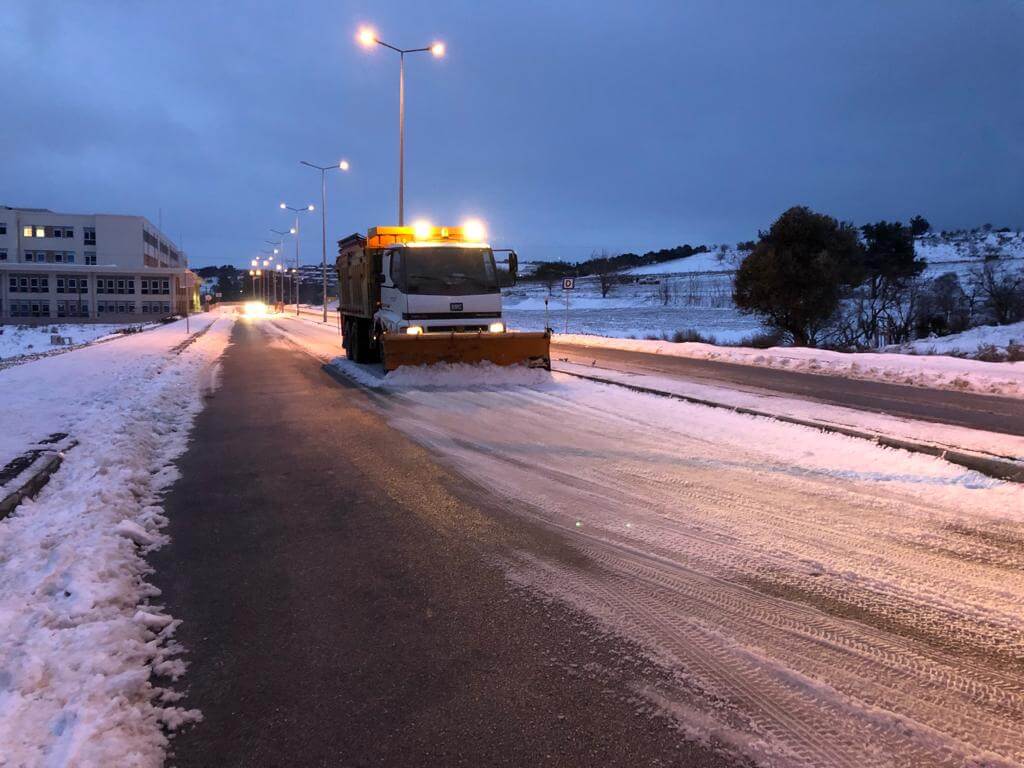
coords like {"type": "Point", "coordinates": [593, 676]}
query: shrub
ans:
{"type": "Point", "coordinates": [989, 353]}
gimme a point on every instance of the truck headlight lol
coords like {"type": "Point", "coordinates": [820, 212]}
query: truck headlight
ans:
{"type": "Point", "coordinates": [414, 330]}
{"type": "Point", "coordinates": [496, 327]}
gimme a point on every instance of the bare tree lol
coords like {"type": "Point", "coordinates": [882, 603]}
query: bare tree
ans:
{"type": "Point", "coordinates": [606, 270]}
{"type": "Point", "coordinates": [665, 291]}
{"type": "Point", "coordinates": [1000, 291]}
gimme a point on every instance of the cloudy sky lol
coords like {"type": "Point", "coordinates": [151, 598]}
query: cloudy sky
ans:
{"type": "Point", "coordinates": [568, 127]}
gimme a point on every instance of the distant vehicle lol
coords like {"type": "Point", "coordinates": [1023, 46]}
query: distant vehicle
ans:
{"type": "Point", "coordinates": [421, 295]}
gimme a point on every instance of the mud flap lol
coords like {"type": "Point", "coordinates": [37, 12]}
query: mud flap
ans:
{"type": "Point", "coordinates": [511, 348]}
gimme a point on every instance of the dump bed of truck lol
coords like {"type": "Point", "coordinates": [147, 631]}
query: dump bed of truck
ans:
{"type": "Point", "coordinates": [358, 290]}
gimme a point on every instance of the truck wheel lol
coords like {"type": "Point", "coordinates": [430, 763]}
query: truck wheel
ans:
{"type": "Point", "coordinates": [347, 337]}
{"type": "Point", "coordinates": [373, 348]}
{"type": "Point", "coordinates": [360, 339]}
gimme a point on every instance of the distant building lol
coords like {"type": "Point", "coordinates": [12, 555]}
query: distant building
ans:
{"type": "Point", "coordinates": [89, 267]}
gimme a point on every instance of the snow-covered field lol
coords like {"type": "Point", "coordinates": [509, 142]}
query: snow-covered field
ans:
{"type": "Point", "coordinates": [813, 599]}
{"type": "Point", "coordinates": [17, 340]}
{"type": "Point", "coordinates": [917, 370]}
{"type": "Point", "coordinates": [696, 293]}
{"type": "Point", "coordinates": [84, 641]}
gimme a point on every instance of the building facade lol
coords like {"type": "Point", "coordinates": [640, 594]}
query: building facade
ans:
{"type": "Point", "coordinates": [89, 267]}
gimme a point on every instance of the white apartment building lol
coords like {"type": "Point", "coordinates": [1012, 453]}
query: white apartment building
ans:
{"type": "Point", "coordinates": [89, 267]}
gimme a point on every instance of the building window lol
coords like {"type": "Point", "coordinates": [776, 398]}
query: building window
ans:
{"type": "Point", "coordinates": [90, 258]}
{"type": "Point", "coordinates": [58, 257]}
{"type": "Point", "coordinates": [60, 285]}
{"type": "Point", "coordinates": [40, 231]}
{"type": "Point", "coordinates": [3, 227]}
{"type": "Point", "coordinates": [69, 257]}
{"type": "Point", "coordinates": [27, 231]}
{"type": "Point", "coordinates": [57, 232]}
{"type": "Point", "coordinates": [3, 254]}
{"type": "Point", "coordinates": [69, 231]}
{"type": "Point", "coordinates": [89, 235]}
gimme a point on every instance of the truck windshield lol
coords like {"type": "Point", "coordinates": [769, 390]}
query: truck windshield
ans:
{"type": "Point", "coordinates": [448, 271]}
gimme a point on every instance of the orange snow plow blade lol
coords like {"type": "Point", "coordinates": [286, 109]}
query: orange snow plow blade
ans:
{"type": "Point", "coordinates": [509, 348]}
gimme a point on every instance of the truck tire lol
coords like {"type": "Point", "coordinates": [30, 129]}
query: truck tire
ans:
{"type": "Point", "coordinates": [347, 336]}
{"type": "Point", "coordinates": [360, 339]}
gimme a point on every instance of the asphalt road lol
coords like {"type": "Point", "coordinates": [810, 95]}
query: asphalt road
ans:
{"type": "Point", "coordinates": [343, 605]}
{"type": "Point", "coordinates": [995, 414]}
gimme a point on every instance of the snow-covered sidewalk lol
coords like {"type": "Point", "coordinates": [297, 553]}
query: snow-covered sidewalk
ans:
{"type": "Point", "coordinates": [83, 634]}
{"type": "Point", "coordinates": [936, 371]}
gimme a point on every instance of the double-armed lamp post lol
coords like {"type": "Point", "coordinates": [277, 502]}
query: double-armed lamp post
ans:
{"type": "Point", "coordinates": [368, 38]}
{"type": "Point", "coordinates": [341, 166]}
{"type": "Point", "coordinates": [295, 231]}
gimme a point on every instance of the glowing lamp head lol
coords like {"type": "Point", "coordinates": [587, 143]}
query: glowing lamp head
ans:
{"type": "Point", "coordinates": [367, 36]}
{"type": "Point", "coordinates": [474, 230]}
{"type": "Point", "coordinates": [343, 165]}
{"type": "Point", "coordinates": [254, 262]}
{"type": "Point", "coordinates": [291, 231]}
{"type": "Point", "coordinates": [282, 206]}
{"type": "Point", "coordinates": [310, 207]}
{"type": "Point", "coordinates": [422, 229]}
{"type": "Point", "coordinates": [414, 330]}
{"type": "Point", "coordinates": [278, 267]}
{"type": "Point", "coordinates": [437, 49]}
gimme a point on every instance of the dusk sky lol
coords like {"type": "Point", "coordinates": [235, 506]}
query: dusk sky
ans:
{"type": "Point", "coordinates": [567, 127]}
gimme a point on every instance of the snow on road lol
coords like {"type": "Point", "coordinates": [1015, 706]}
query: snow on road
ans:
{"type": "Point", "coordinates": [82, 631]}
{"type": "Point", "coordinates": [916, 370]}
{"type": "Point", "coordinates": [820, 600]}
{"type": "Point", "coordinates": [816, 599]}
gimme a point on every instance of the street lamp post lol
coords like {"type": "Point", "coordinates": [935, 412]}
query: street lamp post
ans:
{"type": "Point", "coordinates": [295, 231]}
{"type": "Point", "coordinates": [341, 166]}
{"type": "Point", "coordinates": [368, 37]}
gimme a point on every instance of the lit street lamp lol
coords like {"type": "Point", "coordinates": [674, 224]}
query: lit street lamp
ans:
{"type": "Point", "coordinates": [367, 38]}
{"type": "Point", "coordinates": [342, 166]}
{"type": "Point", "coordinates": [295, 231]}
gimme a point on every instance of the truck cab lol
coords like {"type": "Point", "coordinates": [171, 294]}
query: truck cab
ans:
{"type": "Point", "coordinates": [439, 287]}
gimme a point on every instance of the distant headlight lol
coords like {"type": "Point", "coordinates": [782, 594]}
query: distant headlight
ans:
{"type": "Point", "coordinates": [496, 328]}
{"type": "Point", "coordinates": [414, 330]}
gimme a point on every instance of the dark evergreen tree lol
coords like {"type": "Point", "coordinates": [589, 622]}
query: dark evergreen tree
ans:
{"type": "Point", "coordinates": [919, 225]}
{"type": "Point", "coordinates": [798, 272]}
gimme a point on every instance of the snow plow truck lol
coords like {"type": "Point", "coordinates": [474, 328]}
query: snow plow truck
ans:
{"type": "Point", "coordinates": [421, 295]}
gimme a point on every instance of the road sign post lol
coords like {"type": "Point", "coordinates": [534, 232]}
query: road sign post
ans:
{"type": "Point", "coordinates": [568, 284]}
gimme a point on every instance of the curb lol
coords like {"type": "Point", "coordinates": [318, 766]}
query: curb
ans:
{"type": "Point", "coordinates": [1000, 469]}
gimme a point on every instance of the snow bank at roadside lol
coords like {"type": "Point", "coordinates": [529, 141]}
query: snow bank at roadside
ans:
{"type": "Point", "coordinates": [84, 638]}
{"type": "Point", "coordinates": [916, 370]}
{"type": "Point", "coordinates": [967, 343]}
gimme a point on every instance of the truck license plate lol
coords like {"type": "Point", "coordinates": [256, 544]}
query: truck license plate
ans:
{"type": "Point", "coordinates": [456, 306]}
